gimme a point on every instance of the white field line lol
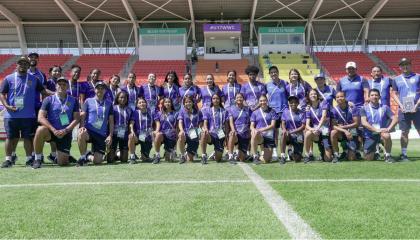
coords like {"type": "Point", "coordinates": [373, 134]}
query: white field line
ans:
{"type": "Point", "coordinates": [122, 183]}
{"type": "Point", "coordinates": [368, 180]}
{"type": "Point", "coordinates": [294, 224]}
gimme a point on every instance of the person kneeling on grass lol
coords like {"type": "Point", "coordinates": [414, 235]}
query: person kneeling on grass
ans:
{"type": "Point", "coordinates": [96, 126]}
{"type": "Point", "coordinates": [214, 128]}
{"type": "Point", "coordinates": [345, 121]}
{"type": "Point", "coordinates": [166, 131]}
{"type": "Point", "coordinates": [263, 121]}
{"type": "Point", "coordinates": [376, 120]}
{"type": "Point", "coordinates": [122, 116]}
{"type": "Point", "coordinates": [317, 126]}
{"type": "Point", "coordinates": [239, 120]}
{"type": "Point", "coordinates": [58, 116]}
{"type": "Point", "coordinates": [190, 121]}
{"type": "Point", "coordinates": [140, 131]}
{"type": "Point", "coordinates": [292, 124]}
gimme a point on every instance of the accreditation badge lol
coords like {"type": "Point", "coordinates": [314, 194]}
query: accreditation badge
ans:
{"type": "Point", "coordinates": [19, 102]}
{"type": "Point", "coordinates": [64, 119]}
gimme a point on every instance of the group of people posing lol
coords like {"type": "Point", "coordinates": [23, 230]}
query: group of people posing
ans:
{"type": "Point", "coordinates": [237, 119]}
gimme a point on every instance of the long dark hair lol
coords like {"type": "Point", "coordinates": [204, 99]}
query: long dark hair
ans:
{"type": "Point", "coordinates": [212, 76]}
{"type": "Point", "coordinates": [220, 100]}
{"type": "Point", "coordinates": [141, 98]}
{"type": "Point", "coordinates": [176, 79]}
{"type": "Point", "coordinates": [194, 107]}
{"type": "Point", "coordinates": [118, 95]}
{"type": "Point", "coordinates": [268, 106]}
{"type": "Point", "coordinates": [163, 105]}
{"type": "Point", "coordinates": [91, 71]}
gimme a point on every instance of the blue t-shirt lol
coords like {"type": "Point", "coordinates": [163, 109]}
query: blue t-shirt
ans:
{"type": "Point", "coordinates": [252, 92]}
{"type": "Point", "coordinates": [173, 94]}
{"type": "Point", "coordinates": [26, 86]}
{"type": "Point", "coordinates": [230, 92]}
{"type": "Point", "coordinates": [277, 95]}
{"type": "Point", "coordinates": [188, 121]}
{"type": "Point", "coordinates": [293, 120]}
{"type": "Point", "coordinates": [207, 93]}
{"type": "Point", "coordinates": [216, 119]}
{"type": "Point", "coordinates": [379, 115]}
{"type": "Point", "coordinates": [315, 114]}
{"type": "Point", "coordinates": [354, 89]}
{"type": "Point", "coordinates": [384, 87]}
{"type": "Point", "coordinates": [97, 115]}
{"type": "Point", "coordinates": [328, 93]}
{"type": "Point", "coordinates": [133, 94]}
{"type": "Point", "coordinates": [43, 79]}
{"type": "Point", "coordinates": [241, 120]}
{"type": "Point", "coordinates": [151, 94]}
{"type": "Point", "coordinates": [344, 116]}
{"type": "Point", "coordinates": [299, 90]}
{"type": "Point", "coordinates": [54, 106]}
{"type": "Point", "coordinates": [143, 122]}
{"type": "Point", "coordinates": [407, 85]}
{"type": "Point", "coordinates": [168, 123]}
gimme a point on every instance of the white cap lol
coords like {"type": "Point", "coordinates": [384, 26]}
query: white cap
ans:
{"type": "Point", "coordinates": [351, 64]}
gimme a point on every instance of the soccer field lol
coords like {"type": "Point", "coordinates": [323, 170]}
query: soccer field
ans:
{"type": "Point", "coordinates": [348, 200]}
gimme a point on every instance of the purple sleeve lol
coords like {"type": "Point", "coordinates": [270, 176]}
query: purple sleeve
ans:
{"type": "Point", "coordinates": [283, 116]}
{"type": "Point", "coordinates": [243, 91]}
{"type": "Point", "coordinates": [226, 116]}
{"type": "Point", "coordinates": [180, 115]}
{"type": "Point", "coordinates": [362, 112]}
{"type": "Point", "coordinates": [39, 86]}
{"type": "Point", "coordinates": [85, 106]}
{"type": "Point", "coordinates": [254, 117]}
{"type": "Point", "coordinates": [46, 104]}
{"type": "Point", "coordinates": [394, 85]}
{"type": "Point", "coordinates": [133, 116]}
{"type": "Point", "coordinates": [264, 89]}
{"type": "Point", "coordinates": [140, 91]}
{"type": "Point", "coordinates": [200, 117]}
{"type": "Point", "coordinates": [156, 116]}
{"type": "Point", "coordinates": [204, 113]}
{"type": "Point", "coordinates": [308, 114]}
{"type": "Point", "coordinates": [160, 91]}
{"type": "Point", "coordinates": [365, 83]}
{"type": "Point", "coordinates": [355, 112]}
{"type": "Point", "coordinates": [4, 87]}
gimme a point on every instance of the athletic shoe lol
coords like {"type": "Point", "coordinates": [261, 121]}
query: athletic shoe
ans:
{"type": "Point", "coordinates": [343, 156]}
{"type": "Point", "coordinates": [183, 159]}
{"type": "Point", "coordinates": [256, 160]}
{"type": "Point", "coordinates": [52, 158]}
{"type": "Point", "coordinates": [132, 161]}
{"type": "Point", "coordinates": [377, 156]}
{"type": "Point", "coordinates": [311, 158]}
{"type": "Point", "coordinates": [14, 159]}
{"type": "Point", "coordinates": [156, 160]}
{"type": "Point", "coordinates": [334, 159]}
{"type": "Point", "coordinates": [282, 160]}
{"type": "Point", "coordinates": [306, 159]}
{"type": "Point", "coordinates": [290, 152]}
{"type": "Point", "coordinates": [81, 162]}
{"type": "Point", "coordinates": [389, 159]}
{"type": "Point", "coordinates": [36, 164]}
{"type": "Point", "coordinates": [30, 162]}
{"type": "Point", "coordinates": [7, 164]}
{"type": "Point", "coordinates": [249, 158]}
{"type": "Point", "coordinates": [204, 159]}
{"type": "Point", "coordinates": [72, 159]}
{"type": "Point", "coordinates": [404, 158]}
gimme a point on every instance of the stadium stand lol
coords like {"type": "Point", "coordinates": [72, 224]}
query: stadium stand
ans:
{"type": "Point", "coordinates": [159, 67]}
{"type": "Point", "coordinates": [284, 62]}
{"type": "Point", "coordinates": [209, 66]}
{"type": "Point", "coordinates": [334, 63]}
{"type": "Point", "coordinates": [391, 59]}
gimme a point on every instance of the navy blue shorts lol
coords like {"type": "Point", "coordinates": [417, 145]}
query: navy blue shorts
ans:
{"type": "Point", "coordinates": [192, 145]}
{"type": "Point", "coordinates": [405, 120]}
{"type": "Point", "coordinates": [350, 144]}
{"type": "Point", "coordinates": [268, 142]}
{"type": "Point", "coordinates": [169, 144]}
{"type": "Point", "coordinates": [145, 147]}
{"type": "Point", "coordinates": [121, 143]}
{"type": "Point", "coordinates": [20, 127]}
{"type": "Point", "coordinates": [218, 143]}
{"type": "Point", "coordinates": [324, 142]}
{"type": "Point", "coordinates": [297, 146]}
{"type": "Point", "coordinates": [64, 143]}
{"type": "Point", "coordinates": [371, 142]}
{"type": "Point", "coordinates": [243, 143]}
{"type": "Point", "coordinates": [98, 142]}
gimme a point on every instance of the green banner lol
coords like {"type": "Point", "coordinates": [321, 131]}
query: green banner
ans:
{"type": "Point", "coordinates": [281, 30]}
{"type": "Point", "coordinates": [167, 31]}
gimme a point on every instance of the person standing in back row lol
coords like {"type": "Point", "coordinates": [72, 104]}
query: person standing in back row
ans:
{"type": "Point", "coordinates": [355, 87]}
{"type": "Point", "coordinates": [253, 90]}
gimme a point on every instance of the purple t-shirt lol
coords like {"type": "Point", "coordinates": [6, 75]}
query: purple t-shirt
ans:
{"type": "Point", "coordinates": [380, 114]}
{"type": "Point", "coordinates": [315, 114]}
{"type": "Point", "coordinates": [133, 94]}
{"type": "Point", "coordinates": [151, 94]}
{"type": "Point", "coordinates": [188, 121]}
{"type": "Point", "coordinates": [262, 118]}
{"type": "Point", "coordinates": [168, 123]}
{"type": "Point", "coordinates": [55, 106]}
{"type": "Point", "coordinates": [75, 88]}
{"type": "Point", "coordinates": [207, 93]}
{"type": "Point", "coordinates": [230, 92]}
{"type": "Point", "coordinates": [173, 94]}
{"type": "Point", "coordinates": [252, 92]}
{"type": "Point", "coordinates": [192, 91]}
{"type": "Point", "coordinates": [216, 119]}
{"type": "Point", "coordinates": [97, 112]}
{"type": "Point", "coordinates": [122, 116]}
{"type": "Point", "coordinates": [293, 120]}
{"type": "Point", "coordinates": [43, 79]}
{"type": "Point", "coordinates": [344, 116]}
{"type": "Point", "coordinates": [143, 123]}
{"type": "Point", "coordinates": [299, 90]}
{"type": "Point", "coordinates": [241, 120]}
{"type": "Point", "coordinates": [51, 84]}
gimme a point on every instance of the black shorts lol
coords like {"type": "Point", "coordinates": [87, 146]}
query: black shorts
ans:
{"type": "Point", "coordinates": [243, 143]}
{"type": "Point", "coordinates": [168, 144]}
{"type": "Point", "coordinates": [98, 142]}
{"type": "Point", "coordinates": [64, 143]}
{"type": "Point", "coordinates": [192, 145]}
{"type": "Point", "coordinates": [351, 144]}
{"type": "Point", "coordinates": [268, 142]}
{"type": "Point", "coordinates": [121, 143]}
{"type": "Point", "coordinates": [324, 142]}
{"type": "Point", "coordinates": [218, 143]}
{"type": "Point", "coordinates": [145, 147]}
{"type": "Point", "coordinates": [405, 120]}
{"type": "Point", "coordinates": [20, 127]}
{"type": "Point", "coordinates": [278, 122]}
{"type": "Point", "coordinates": [297, 146]}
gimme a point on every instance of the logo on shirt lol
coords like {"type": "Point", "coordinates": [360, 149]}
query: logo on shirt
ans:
{"type": "Point", "coordinates": [412, 80]}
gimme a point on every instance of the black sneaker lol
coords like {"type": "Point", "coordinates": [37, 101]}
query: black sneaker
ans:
{"type": "Point", "coordinates": [256, 160]}
{"type": "Point", "coordinates": [81, 162]}
{"type": "Point", "coordinates": [156, 160]}
{"type": "Point", "coordinates": [290, 152]}
{"type": "Point", "coordinates": [204, 159]}
{"type": "Point", "coordinates": [389, 159]}
{"type": "Point", "coordinates": [72, 159]}
{"type": "Point", "coordinates": [14, 159]}
{"type": "Point", "coordinates": [343, 156]}
{"type": "Point", "coordinates": [30, 162]}
{"type": "Point", "coordinates": [282, 160]}
{"type": "Point", "coordinates": [376, 156]}
{"type": "Point", "coordinates": [311, 158]}
{"type": "Point", "coordinates": [334, 159]}
{"type": "Point", "coordinates": [52, 158]}
{"type": "Point", "coordinates": [306, 159]}
{"type": "Point", "coordinates": [7, 164]}
{"type": "Point", "coordinates": [404, 158]}
{"type": "Point", "coordinates": [182, 159]}
{"type": "Point", "coordinates": [249, 158]}
{"type": "Point", "coordinates": [37, 164]}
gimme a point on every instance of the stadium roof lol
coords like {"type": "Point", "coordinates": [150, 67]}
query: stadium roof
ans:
{"type": "Point", "coordinates": [355, 18]}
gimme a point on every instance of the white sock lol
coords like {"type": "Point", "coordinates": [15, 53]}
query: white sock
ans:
{"type": "Point", "coordinates": [275, 153]}
{"type": "Point", "coordinates": [8, 158]}
{"type": "Point", "coordinates": [13, 154]}
{"type": "Point", "coordinates": [158, 155]}
{"type": "Point", "coordinates": [230, 155]}
{"type": "Point", "coordinates": [38, 156]}
{"type": "Point", "coordinates": [282, 155]}
{"type": "Point", "coordinates": [387, 154]}
{"type": "Point", "coordinates": [310, 154]}
{"type": "Point", "coordinates": [404, 151]}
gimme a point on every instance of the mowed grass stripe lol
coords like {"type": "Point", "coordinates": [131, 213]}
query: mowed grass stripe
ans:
{"type": "Point", "coordinates": [227, 211]}
{"type": "Point", "coordinates": [369, 180]}
{"type": "Point", "coordinates": [295, 225]}
{"type": "Point", "coordinates": [357, 210]}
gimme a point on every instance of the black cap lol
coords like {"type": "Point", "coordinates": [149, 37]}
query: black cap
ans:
{"type": "Point", "coordinates": [290, 98]}
{"type": "Point", "coordinates": [33, 54]}
{"type": "Point", "coordinates": [100, 84]}
{"type": "Point", "coordinates": [62, 79]}
{"type": "Point", "coordinates": [22, 59]}
{"type": "Point", "coordinates": [404, 61]}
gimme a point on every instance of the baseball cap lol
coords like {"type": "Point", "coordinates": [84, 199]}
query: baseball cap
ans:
{"type": "Point", "coordinates": [351, 65]}
{"type": "Point", "coordinates": [320, 75]}
{"type": "Point", "coordinates": [22, 59]}
{"type": "Point", "coordinates": [33, 54]}
{"type": "Point", "coordinates": [100, 84]}
{"type": "Point", "coordinates": [290, 98]}
{"type": "Point", "coordinates": [62, 79]}
{"type": "Point", "coordinates": [404, 61]}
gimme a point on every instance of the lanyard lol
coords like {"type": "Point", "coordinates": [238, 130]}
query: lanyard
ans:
{"type": "Point", "coordinates": [62, 106]}
{"type": "Point", "coordinates": [97, 109]}
{"type": "Point", "coordinates": [293, 119]}
{"type": "Point", "coordinates": [405, 81]}
{"type": "Point", "coordinates": [274, 90]}
{"type": "Point", "coordinates": [185, 93]}
{"type": "Point", "coordinates": [140, 118]}
{"type": "Point", "coordinates": [297, 88]}
{"type": "Point", "coordinates": [150, 92]}
{"type": "Point", "coordinates": [381, 84]}
{"type": "Point", "coordinates": [239, 115]}
{"type": "Point", "coordinates": [130, 92]}
{"type": "Point", "coordinates": [373, 115]}
{"type": "Point", "coordinates": [191, 120]}
{"type": "Point", "coordinates": [339, 113]}
{"type": "Point", "coordinates": [214, 117]}
{"type": "Point", "coordinates": [252, 89]}
{"type": "Point", "coordinates": [264, 117]}
{"type": "Point", "coordinates": [167, 120]}
{"type": "Point", "coordinates": [320, 92]}
{"type": "Point", "coordinates": [119, 116]}
{"type": "Point", "coordinates": [316, 116]}
{"type": "Point", "coordinates": [228, 91]}
{"type": "Point", "coordinates": [210, 92]}
{"type": "Point", "coordinates": [71, 89]}
{"type": "Point", "coordinates": [114, 92]}
{"type": "Point", "coordinates": [24, 85]}
{"type": "Point", "coordinates": [170, 90]}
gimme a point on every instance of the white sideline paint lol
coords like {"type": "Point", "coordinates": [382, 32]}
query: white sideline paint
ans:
{"type": "Point", "coordinates": [294, 224]}
{"type": "Point", "coordinates": [370, 180]}
{"type": "Point", "coordinates": [122, 183]}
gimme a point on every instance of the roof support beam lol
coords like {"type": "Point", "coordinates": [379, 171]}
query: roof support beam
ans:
{"type": "Point", "coordinates": [192, 22]}
{"type": "Point", "coordinates": [19, 27]}
{"type": "Point", "coordinates": [311, 17]}
{"type": "Point", "coordinates": [252, 26]}
{"type": "Point", "coordinates": [133, 19]}
{"type": "Point", "coordinates": [73, 18]}
{"type": "Point", "coordinates": [369, 17]}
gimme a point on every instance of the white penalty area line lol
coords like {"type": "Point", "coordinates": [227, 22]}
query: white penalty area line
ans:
{"type": "Point", "coordinates": [174, 182]}
{"type": "Point", "coordinates": [368, 180]}
{"type": "Point", "coordinates": [294, 224]}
